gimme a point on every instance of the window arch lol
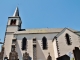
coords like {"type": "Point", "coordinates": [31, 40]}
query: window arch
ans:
{"type": "Point", "coordinates": [44, 43]}
{"type": "Point", "coordinates": [68, 38]}
{"type": "Point", "coordinates": [13, 22]}
{"type": "Point", "coordinates": [24, 42]}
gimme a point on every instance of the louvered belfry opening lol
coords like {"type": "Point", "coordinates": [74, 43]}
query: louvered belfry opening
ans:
{"type": "Point", "coordinates": [24, 43]}
{"type": "Point", "coordinates": [13, 22]}
{"type": "Point", "coordinates": [44, 43]}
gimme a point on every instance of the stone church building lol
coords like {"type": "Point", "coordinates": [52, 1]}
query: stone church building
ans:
{"type": "Point", "coordinates": [37, 44]}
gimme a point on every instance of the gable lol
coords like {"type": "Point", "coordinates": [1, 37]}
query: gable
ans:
{"type": "Point", "coordinates": [66, 45]}
{"type": "Point", "coordinates": [66, 30]}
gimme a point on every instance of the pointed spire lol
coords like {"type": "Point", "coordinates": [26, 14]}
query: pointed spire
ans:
{"type": "Point", "coordinates": [16, 13]}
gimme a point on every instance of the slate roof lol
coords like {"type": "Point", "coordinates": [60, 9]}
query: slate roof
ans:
{"type": "Point", "coordinates": [42, 30]}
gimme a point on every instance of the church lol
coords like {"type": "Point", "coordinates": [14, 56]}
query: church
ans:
{"type": "Point", "coordinates": [37, 44]}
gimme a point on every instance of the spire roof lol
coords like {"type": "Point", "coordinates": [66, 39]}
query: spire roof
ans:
{"type": "Point", "coordinates": [16, 13]}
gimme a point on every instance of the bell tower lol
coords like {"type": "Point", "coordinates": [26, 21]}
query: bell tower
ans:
{"type": "Point", "coordinates": [14, 22]}
{"type": "Point", "coordinates": [13, 25]}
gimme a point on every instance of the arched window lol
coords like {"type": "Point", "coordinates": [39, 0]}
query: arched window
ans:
{"type": "Point", "coordinates": [68, 39]}
{"type": "Point", "coordinates": [44, 43]}
{"type": "Point", "coordinates": [13, 22]}
{"type": "Point", "coordinates": [24, 42]}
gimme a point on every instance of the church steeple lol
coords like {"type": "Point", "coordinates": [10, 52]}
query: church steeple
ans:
{"type": "Point", "coordinates": [14, 22]}
{"type": "Point", "coordinates": [16, 13]}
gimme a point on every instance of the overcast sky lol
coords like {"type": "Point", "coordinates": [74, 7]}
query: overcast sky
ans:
{"type": "Point", "coordinates": [41, 14]}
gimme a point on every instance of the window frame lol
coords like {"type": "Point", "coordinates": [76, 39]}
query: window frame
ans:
{"type": "Point", "coordinates": [68, 41]}
{"type": "Point", "coordinates": [44, 43]}
{"type": "Point", "coordinates": [24, 43]}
